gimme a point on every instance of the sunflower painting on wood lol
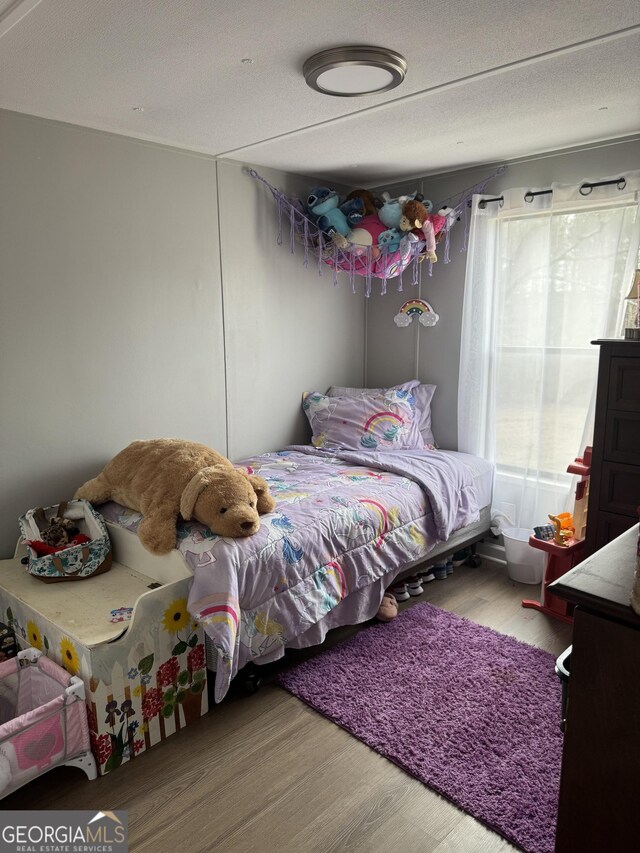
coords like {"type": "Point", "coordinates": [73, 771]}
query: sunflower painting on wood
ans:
{"type": "Point", "coordinates": [69, 656]}
{"type": "Point", "coordinates": [34, 636]}
{"type": "Point", "coordinates": [176, 617]}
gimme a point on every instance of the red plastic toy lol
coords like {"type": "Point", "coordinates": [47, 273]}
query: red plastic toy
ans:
{"type": "Point", "coordinates": [562, 558]}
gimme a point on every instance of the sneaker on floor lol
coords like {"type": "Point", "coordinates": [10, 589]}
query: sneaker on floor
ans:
{"type": "Point", "coordinates": [461, 557]}
{"type": "Point", "coordinates": [440, 571]}
{"type": "Point", "coordinates": [400, 592]}
{"type": "Point", "coordinates": [450, 565]}
{"type": "Point", "coordinates": [427, 575]}
{"type": "Point", "coordinates": [414, 587]}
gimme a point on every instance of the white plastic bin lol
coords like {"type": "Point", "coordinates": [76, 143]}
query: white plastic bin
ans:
{"type": "Point", "coordinates": [524, 563]}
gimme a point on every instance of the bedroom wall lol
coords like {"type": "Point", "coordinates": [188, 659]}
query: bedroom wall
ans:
{"type": "Point", "coordinates": [287, 329]}
{"type": "Point", "coordinates": [117, 287]}
{"type": "Point", "coordinates": [393, 354]}
{"type": "Point", "coordinates": [110, 301]}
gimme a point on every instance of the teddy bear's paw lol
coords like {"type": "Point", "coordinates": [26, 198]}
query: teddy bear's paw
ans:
{"type": "Point", "coordinates": [95, 491]}
{"type": "Point", "coordinates": [156, 537]}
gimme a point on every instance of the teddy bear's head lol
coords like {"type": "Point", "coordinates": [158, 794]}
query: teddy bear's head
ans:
{"type": "Point", "coordinates": [226, 500]}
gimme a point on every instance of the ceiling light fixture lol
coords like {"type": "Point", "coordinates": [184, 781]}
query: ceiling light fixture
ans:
{"type": "Point", "coordinates": [349, 72]}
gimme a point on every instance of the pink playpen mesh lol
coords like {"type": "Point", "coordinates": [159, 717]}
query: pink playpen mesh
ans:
{"type": "Point", "coordinates": [43, 718]}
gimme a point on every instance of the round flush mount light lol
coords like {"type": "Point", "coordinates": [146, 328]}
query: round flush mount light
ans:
{"type": "Point", "coordinates": [349, 72]}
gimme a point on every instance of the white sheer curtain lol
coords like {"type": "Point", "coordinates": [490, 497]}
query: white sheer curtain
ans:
{"type": "Point", "coordinates": [545, 277]}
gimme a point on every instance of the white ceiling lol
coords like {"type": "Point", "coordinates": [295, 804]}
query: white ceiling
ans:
{"type": "Point", "coordinates": [487, 80]}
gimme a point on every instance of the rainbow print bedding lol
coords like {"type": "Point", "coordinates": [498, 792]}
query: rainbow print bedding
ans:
{"type": "Point", "coordinates": [344, 525]}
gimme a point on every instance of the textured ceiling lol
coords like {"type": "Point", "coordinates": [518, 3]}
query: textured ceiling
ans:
{"type": "Point", "coordinates": [488, 80]}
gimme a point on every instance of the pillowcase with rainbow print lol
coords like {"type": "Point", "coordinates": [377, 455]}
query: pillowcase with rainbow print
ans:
{"type": "Point", "coordinates": [386, 421]}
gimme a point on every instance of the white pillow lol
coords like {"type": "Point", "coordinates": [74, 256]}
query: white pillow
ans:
{"type": "Point", "coordinates": [423, 395]}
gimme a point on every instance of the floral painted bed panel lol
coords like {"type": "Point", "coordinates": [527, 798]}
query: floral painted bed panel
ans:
{"type": "Point", "coordinates": [342, 522]}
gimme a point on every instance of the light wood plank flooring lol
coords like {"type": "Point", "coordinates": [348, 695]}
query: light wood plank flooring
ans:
{"type": "Point", "coordinates": [266, 773]}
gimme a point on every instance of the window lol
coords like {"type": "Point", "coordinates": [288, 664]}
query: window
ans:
{"type": "Point", "coordinates": [545, 284]}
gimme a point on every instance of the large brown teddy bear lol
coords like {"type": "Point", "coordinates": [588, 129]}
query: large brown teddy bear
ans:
{"type": "Point", "coordinates": [168, 477]}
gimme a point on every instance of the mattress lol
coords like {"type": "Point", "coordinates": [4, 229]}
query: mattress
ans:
{"type": "Point", "coordinates": [482, 473]}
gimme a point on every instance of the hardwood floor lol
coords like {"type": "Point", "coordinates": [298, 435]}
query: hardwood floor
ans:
{"type": "Point", "coordinates": [265, 772]}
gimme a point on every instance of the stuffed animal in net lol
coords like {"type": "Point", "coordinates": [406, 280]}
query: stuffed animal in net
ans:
{"type": "Point", "coordinates": [333, 218]}
{"type": "Point", "coordinates": [371, 202]}
{"type": "Point", "coordinates": [168, 478]}
{"type": "Point", "coordinates": [366, 234]}
{"type": "Point", "coordinates": [390, 212]}
{"type": "Point", "coordinates": [415, 219]}
{"type": "Point", "coordinates": [444, 220]}
{"type": "Point", "coordinates": [390, 240]}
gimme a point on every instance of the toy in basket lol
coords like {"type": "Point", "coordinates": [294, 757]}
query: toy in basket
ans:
{"type": "Point", "coordinates": [66, 542]}
{"type": "Point", "coordinates": [43, 720]}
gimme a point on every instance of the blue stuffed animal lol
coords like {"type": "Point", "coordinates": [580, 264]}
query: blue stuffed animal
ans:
{"type": "Point", "coordinates": [391, 210]}
{"type": "Point", "coordinates": [389, 240]}
{"type": "Point", "coordinates": [330, 216]}
{"type": "Point", "coordinates": [353, 209]}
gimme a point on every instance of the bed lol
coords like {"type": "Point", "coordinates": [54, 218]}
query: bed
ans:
{"type": "Point", "coordinates": [366, 501]}
{"type": "Point", "coordinates": [347, 522]}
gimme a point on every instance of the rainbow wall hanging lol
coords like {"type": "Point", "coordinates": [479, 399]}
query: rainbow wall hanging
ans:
{"type": "Point", "coordinates": [416, 308]}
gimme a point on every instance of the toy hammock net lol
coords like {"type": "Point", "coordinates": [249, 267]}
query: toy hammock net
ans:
{"type": "Point", "coordinates": [367, 262]}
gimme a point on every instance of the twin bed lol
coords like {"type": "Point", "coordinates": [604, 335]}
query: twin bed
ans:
{"type": "Point", "coordinates": [347, 522]}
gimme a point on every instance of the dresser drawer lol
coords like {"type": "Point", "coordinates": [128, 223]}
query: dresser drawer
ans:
{"type": "Point", "coordinates": [620, 489]}
{"type": "Point", "coordinates": [609, 527]}
{"type": "Point", "coordinates": [624, 384]}
{"type": "Point", "coordinates": [622, 437]}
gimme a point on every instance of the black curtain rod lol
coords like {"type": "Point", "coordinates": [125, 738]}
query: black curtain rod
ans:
{"type": "Point", "coordinates": [621, 184]}
{"type": "Point", "coordinates": [585, 189]}
{"type": "Point", "coordinates": [529, 195]}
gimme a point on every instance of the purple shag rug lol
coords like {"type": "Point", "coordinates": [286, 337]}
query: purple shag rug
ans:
{"type": "Point", "coordinates": [471, 713]}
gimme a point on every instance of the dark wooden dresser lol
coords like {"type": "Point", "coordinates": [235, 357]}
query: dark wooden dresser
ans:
{"type": "Point", "coordinates": [599, 805]}
{"type": "Point", "coordinates": [614, 492]}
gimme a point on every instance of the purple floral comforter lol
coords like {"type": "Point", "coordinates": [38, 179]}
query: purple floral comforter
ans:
{"type": "Point", "coordinates": [344, 525]}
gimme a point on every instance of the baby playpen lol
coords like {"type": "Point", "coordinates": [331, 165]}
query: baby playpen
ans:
{"type": "Point", "coordinates": [43, 720]}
